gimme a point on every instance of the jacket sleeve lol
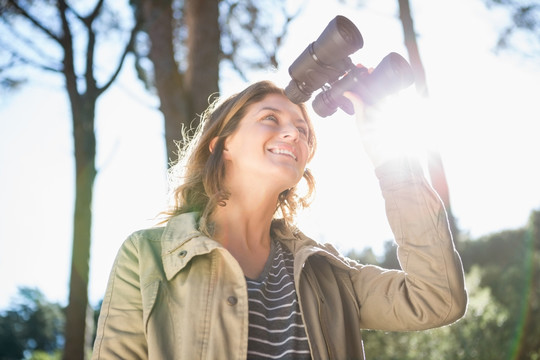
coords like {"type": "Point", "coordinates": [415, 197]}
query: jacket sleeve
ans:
{"type": "Point", "coordinates": [429, 291]}
{"type": "Point", "coordinates": [120, 332]}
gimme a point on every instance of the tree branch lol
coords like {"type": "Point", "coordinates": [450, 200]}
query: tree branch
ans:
{"type": "Point", "coordinates": [35, 21]}
{"type": "Point", "coordinates": [72, 10]}
{"type": "Point", "coordinates": [31, 45]}
{"type": "Point", "coordinates": [69, 57]}
{"type": "Point", "coordinates": [93, 15]}
{"type": "Point", "coordinates": [90, 50]}
{"type": "Point", "coordinates": [127, 50]}
{"type": "Point", "coordinates": [32, 63]}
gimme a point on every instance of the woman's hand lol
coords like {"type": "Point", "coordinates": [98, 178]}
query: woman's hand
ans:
{"type": "Point", "coordinates": [380, 141]}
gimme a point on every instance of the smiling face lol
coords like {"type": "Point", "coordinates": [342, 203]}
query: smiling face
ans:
{"type": "Point", "coordinates": [255, 143]}
{"type": "Point", "coordinates": [270, 145]}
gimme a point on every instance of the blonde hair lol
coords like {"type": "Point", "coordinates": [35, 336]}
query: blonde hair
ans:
{"type": "Point", "coordinates": [198, 176]}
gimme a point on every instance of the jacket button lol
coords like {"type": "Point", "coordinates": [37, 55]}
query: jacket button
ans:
{"type": "Point", "coordinates": [182, 253]}
{"type": "Point", "coordinates": [232, 300]}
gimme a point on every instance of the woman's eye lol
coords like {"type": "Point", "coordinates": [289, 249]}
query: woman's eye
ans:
{"type": "Point", "coordinates": [271, 118]}
{"type": "Point", "coordinates": [302, 130]}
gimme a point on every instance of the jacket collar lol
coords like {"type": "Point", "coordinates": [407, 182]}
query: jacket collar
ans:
{"type": "Point", "coordinates": [289, 235]}
{"type": "Point", "coordinates": [181, 241]}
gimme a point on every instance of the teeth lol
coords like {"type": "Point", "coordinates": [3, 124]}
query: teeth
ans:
{"type": "Point", "coordinates": [283, 151]}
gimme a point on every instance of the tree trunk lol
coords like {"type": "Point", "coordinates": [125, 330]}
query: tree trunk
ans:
{"type": "Point", "coordinates": [412, 47]}
{"type": "Point", "coordinates": [202, 74]}
{"type": "Point", "coordinates": [435, 164]}
{"type": "Point", "coordinates": [158, 22]}
{"type": "Point", "coordinates": [529, 345]}
{"type": "Point", "coordinates": [82, 115]}
{"type": "Point", "coordinates": [439, 183]}
{"type": "Point", "coordinates": [183, 97]}
{"type": "Point", "coordinates": [85, 174]}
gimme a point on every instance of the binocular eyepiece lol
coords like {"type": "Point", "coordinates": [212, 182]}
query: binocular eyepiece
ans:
{"type": "Point", "coordinates": [325, 64]}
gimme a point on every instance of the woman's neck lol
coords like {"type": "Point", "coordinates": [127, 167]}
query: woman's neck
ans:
{"type": "Point", "coordinates": [248, 226]}
{"type": "Point", "coordinates": [242, 226]}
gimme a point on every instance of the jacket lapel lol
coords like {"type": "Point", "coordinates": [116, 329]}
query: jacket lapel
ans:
{"type": "Point", "coordinates": [181, 241]}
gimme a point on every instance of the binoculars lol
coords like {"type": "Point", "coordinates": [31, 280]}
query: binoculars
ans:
{"type": "Point", "coordinates": [325, 64]}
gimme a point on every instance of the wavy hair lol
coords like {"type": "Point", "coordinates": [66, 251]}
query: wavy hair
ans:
{"type": "Point", "coordinates": [197, 178]}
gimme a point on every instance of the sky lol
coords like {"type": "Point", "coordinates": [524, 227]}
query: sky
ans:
{"type": "Point", "coordinates": [481, 116]}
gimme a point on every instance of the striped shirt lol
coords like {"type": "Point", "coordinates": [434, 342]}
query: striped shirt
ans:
{"type": "Point", "coordinates": [276, 329]}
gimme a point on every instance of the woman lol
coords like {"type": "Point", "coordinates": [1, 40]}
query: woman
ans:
{"type": "Point", "coordinates": [230, 277]}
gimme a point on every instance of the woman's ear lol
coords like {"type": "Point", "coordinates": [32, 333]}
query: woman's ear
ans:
{"type": "Point", "coordinates": [220, 146]}
{"type": "Point", "coordinates": [212, 145]}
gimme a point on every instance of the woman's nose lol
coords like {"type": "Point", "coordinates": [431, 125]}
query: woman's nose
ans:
{"type": "Point", "coordinates": [290, 132]}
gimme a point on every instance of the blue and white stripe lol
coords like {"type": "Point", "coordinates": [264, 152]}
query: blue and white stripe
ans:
{"type": "Point", "coordinates": [276, 329]}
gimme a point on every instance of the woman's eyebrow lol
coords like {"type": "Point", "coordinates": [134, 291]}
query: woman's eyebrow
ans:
{"type": "Point", "coordinates": [269, 108]}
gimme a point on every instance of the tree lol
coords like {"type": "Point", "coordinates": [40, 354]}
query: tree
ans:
{"type": "Point", "coordinates": [31, 324]}
{"type": "Point", "coordinates": [522, 35]}
{"type": "Point", "coordinates": [509, 263]}
{"type": "Point", "coordinates": [435, 163]}
{"type": "Point", "coordinates": [188, 41]}
{"type": "Point", "coordinates": [62, 38]}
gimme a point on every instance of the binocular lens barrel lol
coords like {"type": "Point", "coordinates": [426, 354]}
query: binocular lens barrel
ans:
{"type": "Point", "coordinates": [324, 60]}
{"type": "Point", "coordinates": [391, 75]}
{"type": "Point", "coordinates": [325, 64]}
{"type": "Point", "coordinates": [340, 39]}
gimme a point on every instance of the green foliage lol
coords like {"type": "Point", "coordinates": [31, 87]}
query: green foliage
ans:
{"type": "Point", "coordinates": [42, 355]}
{"type": "Point", "coordinates": [11, 342]}
{"type": "Point", "coordinates": [503, 281]}
{"type": "Point", "coordinates": [32, 325]}
{"type": "Point", "coordinates": [464, 340]}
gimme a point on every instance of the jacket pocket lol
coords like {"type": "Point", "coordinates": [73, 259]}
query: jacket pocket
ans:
{"type": "Point", "coordinates": [149, 296]}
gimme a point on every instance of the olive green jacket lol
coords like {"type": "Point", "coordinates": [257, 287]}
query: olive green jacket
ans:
{"type": "Point", "coordinates": [176, 294]}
